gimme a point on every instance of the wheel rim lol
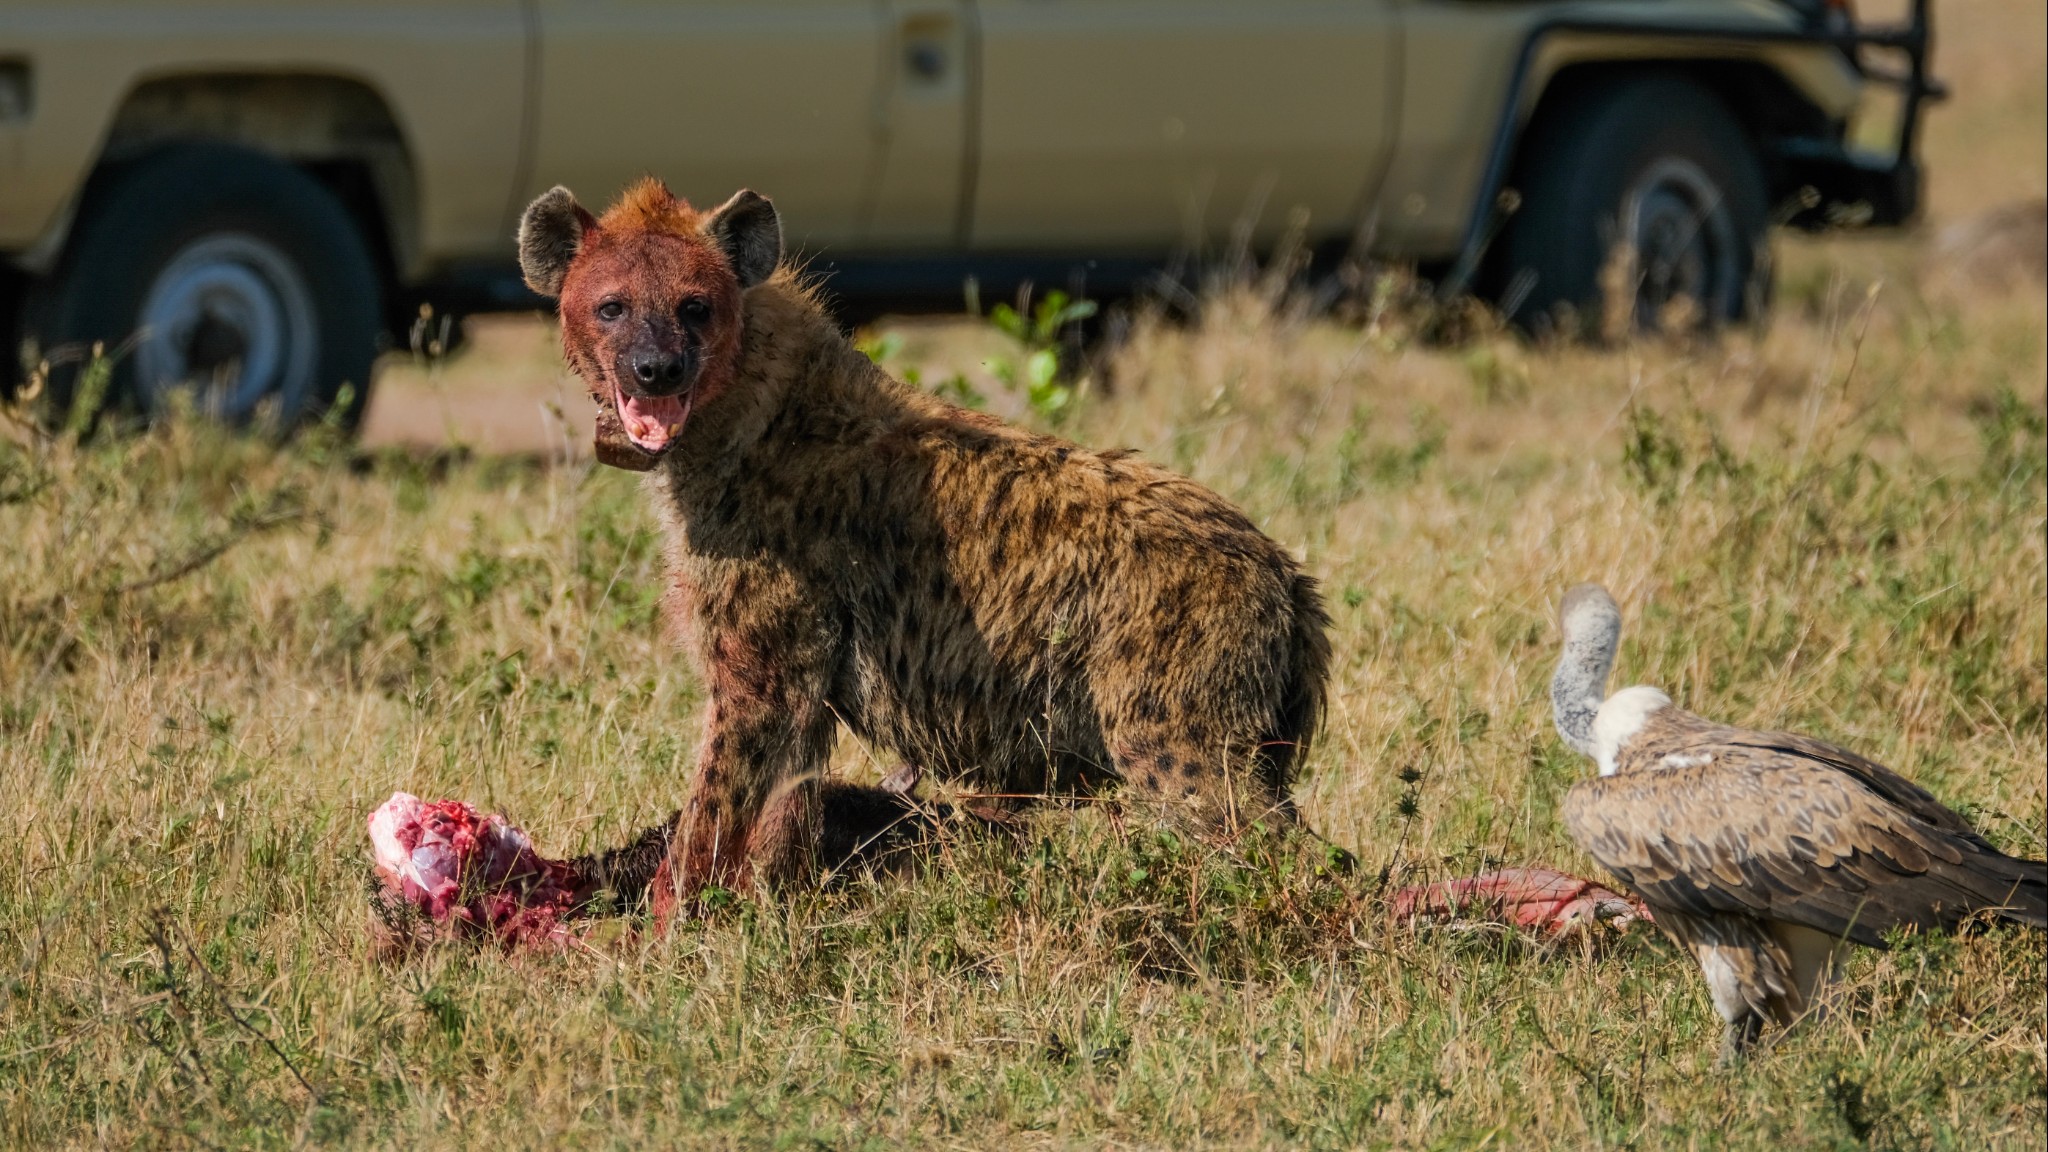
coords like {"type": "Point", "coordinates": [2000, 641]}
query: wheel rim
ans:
{"type": "Point", "coordinates": [231, 318]}
{"type": "Point", "coordinates": [1683, 242]}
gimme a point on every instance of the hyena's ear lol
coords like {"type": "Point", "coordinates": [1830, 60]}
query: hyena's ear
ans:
{"type": "Point", "coordinates": [550, 232]}
{"type": "Point", "coordinates": [749, 232]}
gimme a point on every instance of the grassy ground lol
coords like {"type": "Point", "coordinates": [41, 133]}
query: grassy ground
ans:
{"type": "Point", "coordinates": [215, 658]}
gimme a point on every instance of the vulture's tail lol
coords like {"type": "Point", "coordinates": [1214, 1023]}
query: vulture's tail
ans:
{"type": "Point", "coordinates": [2008, 887]}
{"type": "Point", "coordinates": [2027, 903]}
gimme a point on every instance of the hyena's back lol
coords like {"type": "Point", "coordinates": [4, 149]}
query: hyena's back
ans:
{"type": "Point", "coordinates": [1034, 615]}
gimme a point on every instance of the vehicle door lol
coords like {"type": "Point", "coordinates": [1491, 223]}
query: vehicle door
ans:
{"type": "Point", "coordinates": [1146, 124]}
{"type": "Point", "coordinates": [713, 96]}
{"type": "Point", "coordinates": [920, 198]}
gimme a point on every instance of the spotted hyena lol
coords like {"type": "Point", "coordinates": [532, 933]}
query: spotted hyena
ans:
{"type": "Point", "coordinates": [986, 604]}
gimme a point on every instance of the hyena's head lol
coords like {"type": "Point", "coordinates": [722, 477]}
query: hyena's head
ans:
{"type": "Point", "coordinates": [650, 298]}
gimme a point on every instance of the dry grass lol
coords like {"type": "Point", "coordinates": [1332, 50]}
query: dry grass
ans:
{"type": "Point", "coordinates": [1836, 524]}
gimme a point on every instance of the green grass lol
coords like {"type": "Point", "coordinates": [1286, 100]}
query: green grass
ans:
{"type": "Point", "coordinates": [216, 657]}
{"type": "Point", "coordinates": [1836, 526]}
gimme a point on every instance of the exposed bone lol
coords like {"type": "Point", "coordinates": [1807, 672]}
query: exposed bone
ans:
{"type": "Point", "coordinates": [903, 781]}
{"type": "Point", "coordinates": [1532, 898]}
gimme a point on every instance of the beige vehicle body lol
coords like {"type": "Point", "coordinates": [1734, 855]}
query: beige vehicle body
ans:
{"type": "Point", "coordinates": [911, 142]}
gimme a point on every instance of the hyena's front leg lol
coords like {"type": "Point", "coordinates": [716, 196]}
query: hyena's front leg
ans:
{"type": "Point", "coordinates": [753, 811]}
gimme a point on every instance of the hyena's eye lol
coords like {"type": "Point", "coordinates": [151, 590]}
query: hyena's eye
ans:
{"type": "Point", "coordinates": [695, 311]}
{"type": "Point", "coordinates": [610, 310]}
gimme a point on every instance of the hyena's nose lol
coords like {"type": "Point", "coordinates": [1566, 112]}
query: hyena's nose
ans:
{"type": "Point", "coordinates": [658, 369]}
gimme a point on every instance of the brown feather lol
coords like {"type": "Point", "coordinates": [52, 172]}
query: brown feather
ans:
{"type": "Point", "coordinates": [1749, 970]}
{"type": "Point", "coordinates": [1784, 828]}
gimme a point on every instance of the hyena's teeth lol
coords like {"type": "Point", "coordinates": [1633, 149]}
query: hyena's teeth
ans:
{"type": "Point", "coordinates": [674, 430]}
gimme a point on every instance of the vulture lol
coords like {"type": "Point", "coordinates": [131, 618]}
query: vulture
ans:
{"type": "Point", "coordinates": [1764, 854]}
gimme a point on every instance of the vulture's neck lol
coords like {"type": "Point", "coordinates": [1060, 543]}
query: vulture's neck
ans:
{"type": "Point", "coordinates": [1618, 721]}
{"type": "Point", "coordinates": [1580, 683]}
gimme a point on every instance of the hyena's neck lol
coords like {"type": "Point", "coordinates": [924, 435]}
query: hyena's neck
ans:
{"type": "Point", "coordinates": [793, 360]}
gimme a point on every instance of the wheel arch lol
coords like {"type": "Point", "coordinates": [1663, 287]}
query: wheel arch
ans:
{"type": "Point", "coordinates": [1569, 52]}
{"type": "Point", "coordinates": [337, 129]}
{"type": "Point", "coordinates": [1764, 103]}
{"type": "Point", "coordinates": [140, 208]}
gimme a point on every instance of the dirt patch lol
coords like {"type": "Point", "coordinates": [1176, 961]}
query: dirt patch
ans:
{"type": "Point", "coordinates": [503, 392]}
{"type": "Point", "coordinates": [2003, 248]}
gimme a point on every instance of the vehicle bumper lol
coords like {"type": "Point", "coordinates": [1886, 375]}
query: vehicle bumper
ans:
{"type": "Point", "coordinates": [1842, 188]}
{"type": "Point", "coordinates": [1845, 187]}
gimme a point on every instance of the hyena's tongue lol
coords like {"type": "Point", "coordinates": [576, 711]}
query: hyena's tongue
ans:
{"type": "Point", "coordinates": [651, 422]}
{"type": "Point", "coordinates": [637, 445]}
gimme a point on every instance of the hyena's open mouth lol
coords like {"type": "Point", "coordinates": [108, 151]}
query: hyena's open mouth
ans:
{"type": "Point", "coordinates": [634, 432]}
{"type": "Point", "coordinates": [652, 423]}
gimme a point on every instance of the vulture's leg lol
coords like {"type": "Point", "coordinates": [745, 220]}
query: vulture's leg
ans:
{"type": "Point", "coordinates": [1816, 963]}
{"type": "Point", "coordinates": [1738, 1037]}
{"type": "Point", "coordinates": [1748, 973]}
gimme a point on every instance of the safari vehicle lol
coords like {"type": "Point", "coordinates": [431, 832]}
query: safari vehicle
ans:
{"type": "Point", "coordinates": [251, 196]}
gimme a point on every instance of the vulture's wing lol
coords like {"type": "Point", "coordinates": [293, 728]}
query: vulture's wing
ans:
{"type": "Point", "coordinates": [1878, 778]}
{"type": "Point", "coordinates": [1764, 830]}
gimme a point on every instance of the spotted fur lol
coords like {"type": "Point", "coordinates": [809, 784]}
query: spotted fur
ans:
{"type": "Point", "coordinates": [990, 606]}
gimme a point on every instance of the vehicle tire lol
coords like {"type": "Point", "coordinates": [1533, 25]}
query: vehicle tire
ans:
{"type": "Point", "coordinates": [220, 269]}
{"type": "Point", "coordinates": [1646, 186]}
